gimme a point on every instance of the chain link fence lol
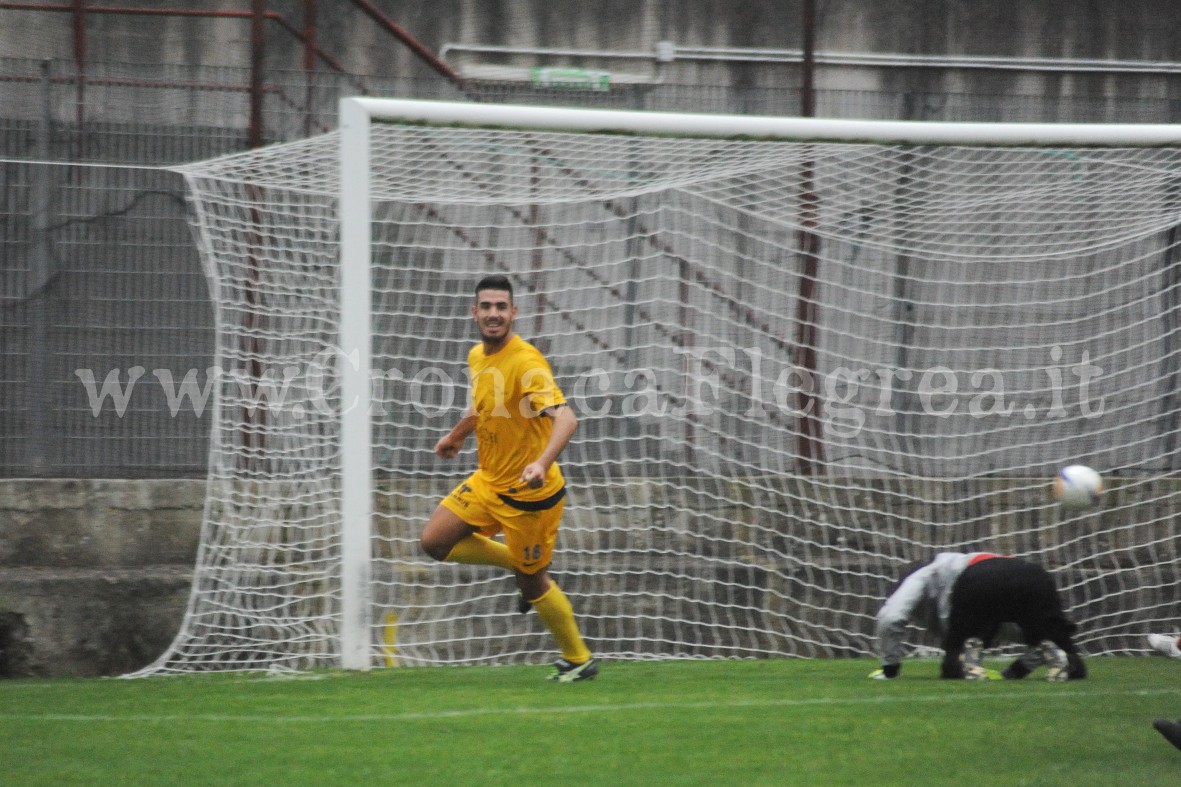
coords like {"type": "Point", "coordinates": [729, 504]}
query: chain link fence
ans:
{"type": "Point", "coordinates": [105, 314]}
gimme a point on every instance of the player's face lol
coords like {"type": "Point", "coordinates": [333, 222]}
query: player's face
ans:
{"type": "Point", "coordinates": [494, 312]}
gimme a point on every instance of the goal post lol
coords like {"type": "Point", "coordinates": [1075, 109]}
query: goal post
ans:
{"type": "Point", "coordinates": [356, 440]}
{"type": "Point", "coordinates": [804, 353]}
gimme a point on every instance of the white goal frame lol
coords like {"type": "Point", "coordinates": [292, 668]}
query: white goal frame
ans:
{"type": "Point", "coordinates": [357, 115]}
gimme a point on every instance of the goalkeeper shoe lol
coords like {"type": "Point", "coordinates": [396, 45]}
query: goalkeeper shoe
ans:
{"type": "Point", "coordinates": [1170, 729]}
{"type": "Point", "coordinates": [972, 659]}
{"type": "Point", "coordinates": [1055, 660]}
{"type": "Point", "coordinates": [1165, 645]}
{"type": "Point", "coordinates": [568, 672]}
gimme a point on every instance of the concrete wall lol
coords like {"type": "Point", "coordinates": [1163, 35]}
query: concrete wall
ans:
{"type": "Point", "coordinates": [94, 575]}
{"type": "Point", "coordinates": [1147, 30]}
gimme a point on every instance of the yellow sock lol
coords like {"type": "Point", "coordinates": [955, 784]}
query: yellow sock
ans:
{"type": "Point", "coordinates": [558, 616]}
{"type": "Point", "coordinates": [480, 550]}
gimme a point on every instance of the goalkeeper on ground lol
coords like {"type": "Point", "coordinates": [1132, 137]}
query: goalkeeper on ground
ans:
{"type": "Point", "coordinates": [965, 599]}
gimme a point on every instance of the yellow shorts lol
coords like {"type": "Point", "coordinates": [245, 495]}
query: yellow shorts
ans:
{"type": "Point", "coordinates": [530, 527]}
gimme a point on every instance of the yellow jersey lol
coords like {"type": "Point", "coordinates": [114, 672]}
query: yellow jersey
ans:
{"type": "Point", "coordinates": [510, 389]}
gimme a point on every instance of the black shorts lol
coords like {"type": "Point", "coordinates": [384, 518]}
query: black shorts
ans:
{"type": "Point", "coordinates": [1002, 590]}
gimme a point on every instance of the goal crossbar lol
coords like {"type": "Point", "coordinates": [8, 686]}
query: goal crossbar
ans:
{"type": "Point", "coordinates": [803, 129]}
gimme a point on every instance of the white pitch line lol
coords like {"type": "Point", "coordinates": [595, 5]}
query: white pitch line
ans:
{"type": "Point", "coordinates": [222, 718]}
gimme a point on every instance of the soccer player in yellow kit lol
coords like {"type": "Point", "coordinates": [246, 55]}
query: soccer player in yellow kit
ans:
{"type": "Point", "coordinates": [522, 423]}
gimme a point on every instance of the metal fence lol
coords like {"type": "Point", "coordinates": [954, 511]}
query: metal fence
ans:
{"type": "Point", "coordinates": [104, 308]}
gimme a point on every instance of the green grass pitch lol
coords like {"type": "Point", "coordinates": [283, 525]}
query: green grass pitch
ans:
{"type": "Point", "coordinates": [777, 722]}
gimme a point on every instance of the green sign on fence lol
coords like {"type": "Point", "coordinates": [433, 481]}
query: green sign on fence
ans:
{"type": "Point", "coordinates": [570, 78]}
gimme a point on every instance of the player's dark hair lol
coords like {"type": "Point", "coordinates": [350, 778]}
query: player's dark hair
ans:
{"type": "Point", "coordinates": [495, 282]}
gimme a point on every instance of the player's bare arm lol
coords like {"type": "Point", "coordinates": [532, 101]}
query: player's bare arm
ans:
{"type": "Point", "coordinates": [450, 444]}
{"type": "Point", "coordinates": [564, 425]}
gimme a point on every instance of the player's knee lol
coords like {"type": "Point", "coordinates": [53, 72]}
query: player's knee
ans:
{"type": "Point", "coordinates": [533, 586]}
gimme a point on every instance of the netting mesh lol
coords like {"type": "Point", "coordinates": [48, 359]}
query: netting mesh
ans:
{"type": "Point", "coordinates": [797, 368]}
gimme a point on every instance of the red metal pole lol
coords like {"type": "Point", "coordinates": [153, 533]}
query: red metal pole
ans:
{"type": "Point", "coordinates": [808, 67]}
{"type": "Point", "coordinates": [257, 51]}
{"type": "Point", "coordinates": [811, 437]}
{"type": "Point", "coordinates": [309, 61]}
{"type": "Point", "coordinates": [253, 438]}
{"type": "Point", "coordinates": [133, 11]}
{"type": "Point", "coordinates": [80, 64]}
{"type": "Point", "coordinates": [410, 41]}
{"type": "Point", "coordinates": [130, 10]}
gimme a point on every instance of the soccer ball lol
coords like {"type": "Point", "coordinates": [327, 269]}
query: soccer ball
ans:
{"type": "Point", "coordinates": [1077, 486]}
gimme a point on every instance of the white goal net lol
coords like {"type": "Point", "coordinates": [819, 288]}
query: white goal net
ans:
{"type": "Point", "coordinates": [798, 364]}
